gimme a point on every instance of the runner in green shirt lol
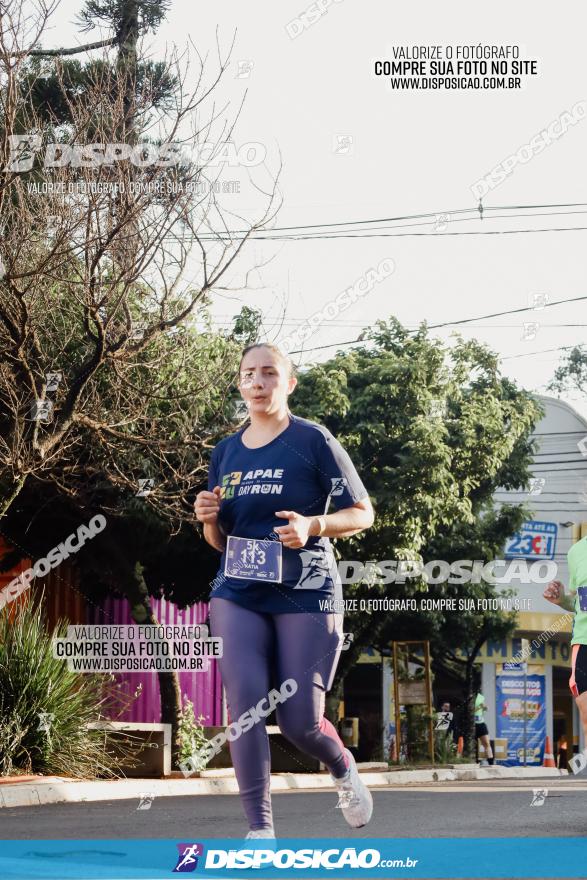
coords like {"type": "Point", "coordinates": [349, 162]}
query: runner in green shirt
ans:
{"type": "Point", "coordinates": [481, 731]}
{"type": "Point", "coordinates": [555, 592]}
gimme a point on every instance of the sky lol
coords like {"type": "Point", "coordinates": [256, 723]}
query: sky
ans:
{"type": "Point", "coordinates": [354, 149]}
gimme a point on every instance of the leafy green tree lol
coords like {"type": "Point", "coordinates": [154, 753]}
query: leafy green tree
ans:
{"type": "Point", "coordinates": [571, 374]}
{"type": "Point", "coordinates": [433, 431]}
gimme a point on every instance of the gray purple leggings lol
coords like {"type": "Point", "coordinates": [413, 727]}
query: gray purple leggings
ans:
{"type": "Point", "coordinates": [260, 651]}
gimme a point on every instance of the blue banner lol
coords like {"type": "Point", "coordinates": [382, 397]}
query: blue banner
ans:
{"type": "Point", "coordinates": [535, 540]}
{"type": "Point", "coordinates": [510, 710]}
{"type": "Point", "coordinates": [286, 858]}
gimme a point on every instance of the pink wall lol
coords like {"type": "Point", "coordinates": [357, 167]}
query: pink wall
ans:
{"type": "Point", "coordinates": [204, 689]}
{"type": "Point", "coordinates": [63, 599]}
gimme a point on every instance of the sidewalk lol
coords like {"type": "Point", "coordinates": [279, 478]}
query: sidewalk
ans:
{"type": "Point", "coordinates": [54, 790]}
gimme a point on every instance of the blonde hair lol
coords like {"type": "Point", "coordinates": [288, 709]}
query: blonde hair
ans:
{"type": "Point", "coordinates": [285, 359]}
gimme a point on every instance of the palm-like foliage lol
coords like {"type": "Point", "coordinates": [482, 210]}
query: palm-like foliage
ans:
{"type": "Point", "coordinates": [46, 708]}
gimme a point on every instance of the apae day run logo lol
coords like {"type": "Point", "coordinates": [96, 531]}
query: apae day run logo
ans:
{"type": "Point", "coordinates": [187, 860]}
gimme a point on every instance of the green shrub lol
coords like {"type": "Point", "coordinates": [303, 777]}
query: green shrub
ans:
{"type": "Point", "coordinates": [192, 736]}
{"type": "Point", "coordinates": [45, 708]}
{"type": "Point", "coordinates": [445, 750]}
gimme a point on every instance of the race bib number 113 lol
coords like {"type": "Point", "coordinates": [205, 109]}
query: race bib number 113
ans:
{"type": "Point", "coordinates": [253, 559]}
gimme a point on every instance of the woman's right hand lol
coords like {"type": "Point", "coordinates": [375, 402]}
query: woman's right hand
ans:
{"type": "Point", "coordinates": [554, 592]}
{"type": "Point", "coordinates": [207, 506]}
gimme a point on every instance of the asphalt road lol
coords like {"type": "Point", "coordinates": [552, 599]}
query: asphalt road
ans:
{"type": "Point", "coordinates": [468, 809]}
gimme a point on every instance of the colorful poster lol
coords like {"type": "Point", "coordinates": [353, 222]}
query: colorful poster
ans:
{"type": "Point", "coordinates": [535, 540]}
{"type": "Point", "coordinates": [511, 706]}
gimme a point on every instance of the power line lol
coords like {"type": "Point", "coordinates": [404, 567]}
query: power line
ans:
{"type": "Point", "coordinates": [436, 236]}
{"type": "Point", "coordinates": [461, 321]}
{"type": "Point", "coordinates": [503, 358]}
{"type": "Point", "coordinates": [509, 357]}
{"type": "Point", "coordinates": [549, 305]}
{"type": "Point", "coordinates": [430, 216]}
{"type": "Point", "coordinates": [332, 322]}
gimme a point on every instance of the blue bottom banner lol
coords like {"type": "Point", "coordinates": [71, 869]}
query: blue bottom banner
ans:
{"type": "Point", "coordinates": [499, 857]}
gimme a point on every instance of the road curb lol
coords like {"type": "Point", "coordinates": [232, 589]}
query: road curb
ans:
{"type": "Point", "coordinates": [56, 790]}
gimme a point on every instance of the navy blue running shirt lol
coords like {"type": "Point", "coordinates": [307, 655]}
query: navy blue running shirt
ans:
{"type": "Point", "coordinates": [302, 469]}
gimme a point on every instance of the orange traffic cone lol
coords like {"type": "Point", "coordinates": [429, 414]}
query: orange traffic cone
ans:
{"type": "Point", "coordinates": [460, 745]}
{"type": "Point", "coordinates": [548, 756]}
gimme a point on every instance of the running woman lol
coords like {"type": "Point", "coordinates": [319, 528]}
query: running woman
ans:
{"type": "Point", "coordinates": [555, 592]}
{"type": "Point", "coordinates": [269, 489]}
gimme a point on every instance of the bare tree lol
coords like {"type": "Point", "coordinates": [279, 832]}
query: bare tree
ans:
{"type": "Point", "coordinates": [108, 257]}
{"type": "Point", "coordinates": [113, 241]}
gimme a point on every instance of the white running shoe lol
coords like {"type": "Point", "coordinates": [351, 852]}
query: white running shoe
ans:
{"type": "Point", "coordinates": [354, 798]}
{"type": "Point", "coordinates": [261, 833]}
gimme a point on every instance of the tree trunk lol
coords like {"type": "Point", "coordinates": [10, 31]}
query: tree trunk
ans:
{"type": "Point", "coordinates": [126, 248]}
{"type": "Point", "coordinates": [169, 690]}
{"type": "Point", "coordinates": [469, 714]}
{"type": "Point", "coordinates": [10, 493]}
{"type": "Point", "coordinates": [128, 36]}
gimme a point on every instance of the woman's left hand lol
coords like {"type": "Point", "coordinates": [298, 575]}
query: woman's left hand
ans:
{"type": "Point", "coordinates": [295, 534]}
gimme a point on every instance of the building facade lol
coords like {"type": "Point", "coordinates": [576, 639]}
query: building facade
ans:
{"type": "Point", "coordinates": [557, 498]}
